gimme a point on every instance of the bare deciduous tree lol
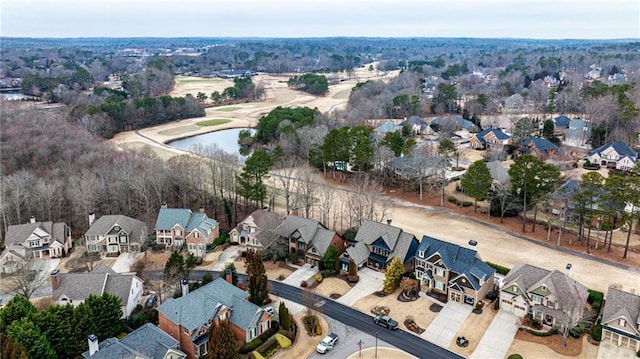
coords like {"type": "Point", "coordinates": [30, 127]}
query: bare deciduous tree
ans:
{"type": "Point", "coordinates": [28, 277]}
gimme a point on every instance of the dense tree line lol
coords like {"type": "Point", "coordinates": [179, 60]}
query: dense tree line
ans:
{"type": "Point", "coordinates": [283, 120]}
{"type": "Point", "coordinates": [311, 83]}
{"type": "Point", "coordinates": [61, 331]}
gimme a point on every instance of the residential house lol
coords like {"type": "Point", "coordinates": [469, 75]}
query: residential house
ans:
{"type": "Point", "coordinates": [42, 240]}
{"type": "Point", "coordinates": [410, 166]}
{"type": "Point", "coordinates": [177, 227]}
{"type": "Point", "coordinates": [514, 104]}
{"type": "Point", "coordinates": [454, 123]}
{"type": "Point", "coordinates": [74, 288]}
{"type": "Point", "coordinates": [541, 148]}
{"type": "Point", "coordinates": [189, 318]}
{"type": "Point", "coordinates": [308, 238]}
{"type": "Point", "coordinates": [452, 270]}
{"type": "Point", "coordinates": [256, 231]}
{"type": "Point", "coordinates": [616, 155]}
{"type": "Point", "coordinates": [552, 297]}
{"type": "Point", "coordinates": [387, 127]}
{"type": "Point", "coordinates": [376, 244]}
{"type": "Point", "coordinates": [114, 234]}
{"type": "Point", "coordinates": [418, 126]}
{"type": "Point", "coordinates": [621, 319]}
{"type": "Point", "coordinates": [562, 199]}
{"type": "Point", "coordinates": [490, 139]}
{"type": "Point", "coordinates": [499, 174]}
{"type": "Point", "coordinates": [578, 133]}
{"type": "Point", "coordinates": [561, 123]}
{"type": "Point", "coordinates": [146, 342]}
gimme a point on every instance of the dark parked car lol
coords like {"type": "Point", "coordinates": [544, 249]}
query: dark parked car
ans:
{"type": "Point", "coordinates": [151, 301]}
{"type": "Point", "coordinates": [385, 321]}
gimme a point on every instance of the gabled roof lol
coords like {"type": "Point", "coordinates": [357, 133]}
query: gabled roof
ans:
{"type": "Point", "coordinates": [496, 132]}
{"type": "Point", "coordinates": [169, 217]}
{"type": "Point", "coordinates": [458, 120]}
{"type": "Point", "coordinates": [620, 147]}
{"type": "Point", "coordinates": [620, 304]}
{"type": "Point", "coordinates": [543, 145]}
{"type": "Point", "coordinates": [387, 127]}
{"type": "Point", "coordinates": [311, 232]}
{"type": "Point", "coordinates": [461, 260]}
{"type": "Point", "coordinates": [498, 171]}
{"type": "Point", "coordinates": [561, 121]}
{"type": "Point", "coordinates": [414, 120]}
{"type": "Point", "coordinates": [567, 189]}
{"type": "Point", "coordinates": [266, 222]}
{"type": "Point", "coordinates": [146, 342]}
{"type": "Point", "coordinates": [200, 306]}
{"type": "Point", "coordinates": [568, 291]}
{"type": "Point", "coordinates": [402, 244]}
{"type": "Point", "coordinates": [78, 286]}
{"type": "Point", "coordinates": [103, 225]}
{"type": "Point", "coordinates": [19, 233]}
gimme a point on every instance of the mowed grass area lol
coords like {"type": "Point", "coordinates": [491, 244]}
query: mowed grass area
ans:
{"type": "Point", "coordinates": [227, 109]}
{"type": "Point", "coordinates": [216, 122]}
{"type": "Point", "coordinates": [188, 80]}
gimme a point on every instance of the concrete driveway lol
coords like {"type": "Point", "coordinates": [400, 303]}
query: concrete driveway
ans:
{"type": "Point", "coordinates": [609, 350]}
{"type": "Point", "coordinates": [445, 326]}
{"type": "Point", "coordinates": [370, 282]}
{"type": "Point", "coordinates": [124, 261]}
{"type": "Point", "coordinates": [228, 255]}
{"type": "Point", "coordinates": [497, 339]}
{"type": "Point", "coordinates": [303, 273]}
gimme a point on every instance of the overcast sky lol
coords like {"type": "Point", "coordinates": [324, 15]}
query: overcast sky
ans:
{"type": "Point", "coordinates": [539, 19]}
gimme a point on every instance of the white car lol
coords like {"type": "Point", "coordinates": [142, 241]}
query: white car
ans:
{"type": "Point", "coordinates": [327, 343]}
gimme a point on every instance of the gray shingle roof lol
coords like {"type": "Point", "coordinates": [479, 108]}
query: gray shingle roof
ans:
{"type": "Point", "coordinates": [201, 305]}
{"type": "Point", "coordinates": [103, 225]}
{"type": "Point", "coordinates": [570, 293]}
{"type": "Point", "coordinates": [311, 232]}
{"type": "Point", "coordinates": [402, 244]}
{"type": "Point", "coordinates": [19, 233]}
{"type": "Point", "coordinates": [621, 148]}
{"type": "Point", "coordinates": [620, 304]}
{"type": "Point", "coordinates": [460, 260]}
{"type": "Point", "coordinates": [496, 131]}
{"type": "Point", "coordinates": [414, 120]}
{"type": "Point", "coordinates": [542, 144]}
{"type": "Point", "coordinates": [146, 342]}
{"type": "Point", "coordinates": [387, 127]}
{"type": "Point", "coordinates": [169, 217]}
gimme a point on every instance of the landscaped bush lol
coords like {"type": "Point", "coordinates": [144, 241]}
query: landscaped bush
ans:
{"type": "Point", "coordinates": [293, 257]}
{"type": "Point", "coordinates": [595, 299]}
{"type": "Point", "coordinates": [515, 356]}
{"type": "Point", "coordinates": [312, 325]}
{"type": "Point", "coordinates": [500, 269]}
{"type": "Point", "coordinates": [549, 333]}
{"type": "Point", "coordinates": [319, 278]}
{"type": "Point", "coordinates": [257, 355]}
{"type": "Point", "coordinates": [596, 331]}
{"type": "Point", "coordinates": [283, 341]}
{"type": "Point", "coordinates": [250, 346]}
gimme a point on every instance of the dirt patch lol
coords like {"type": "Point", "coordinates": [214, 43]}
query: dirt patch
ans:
{"type": "Point", "coordinates": [534, 350]}
{"type": "Point", "coordinates": [418, 309]}
{"type": "Point", "coordinates": [435, 307]}
{"type": "Point", "coordinates": [472, 329]}
{"type": "Point", "coordinates": [370, 353]}
{"type": "Point", "coordinates": [330, 286]}
{"type": "Point", "coordinates": [304, 344]}
{"type": "Point", "coordinates": [553, 342]}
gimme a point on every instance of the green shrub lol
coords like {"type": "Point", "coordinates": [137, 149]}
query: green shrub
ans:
{"type": "Point", "coordinates": [293, 257]}
{"type": "Point", "coordinates": [283, 341]}
{"type": "Point", "coordinates": [452, 199]}
{"type": "Point", "coordinates": [319, 278]}
{"type": "Point", "coordinates": [515, 356]}
{"type": "Point", "coordinates": [251, 346]}
{"type": "Point", "coordinates": [596, 331]}
{"type": "Point", "coordinates": [549, 333]}
{"type": "Point", "coordinates": [595, 299]}
{"type": "Point", "coordinates": [500, 269]}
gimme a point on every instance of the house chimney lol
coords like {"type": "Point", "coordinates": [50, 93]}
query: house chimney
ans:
{"type": "Point", "coordinates": [32, 219]}
{"type": "Point", "coordinates": [93, 344]}
{"type": "Point", "coordinates": [164, 204]}
{"type": "Point", "coordinates": [55, 279]}
{"type": "Point", "coordinates": [185, 287]}
{"type": "Point", "coordinates": [389, 222]}
{"type": "Point", "coordinates": [568, 269]}
{"type": "Point", "coordinates": [295, 211]}
{"type": "Point", "coordinates": [92, 218]}
{"type": "Point", "coordinates": [228, 276]}
{"type": "Point", "coordinates": [201, 209]}
{"type": "Point", "coordinates": [473, 245]}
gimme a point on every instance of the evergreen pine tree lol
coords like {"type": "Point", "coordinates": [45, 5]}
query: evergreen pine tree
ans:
{"type": "Point", "coordinates": [222, 342]}
{"type": "Point", "coordinates": [393, 275]}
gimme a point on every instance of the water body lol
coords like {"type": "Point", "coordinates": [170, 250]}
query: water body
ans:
{"type": "Point", "coordinates": [225, 139]}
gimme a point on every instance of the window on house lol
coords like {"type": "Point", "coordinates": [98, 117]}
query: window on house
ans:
{"type": "Point", "coordinates": [34, 243]}
{"type": "Point", "coordinates": [123, 239]}
{"type": "Point", "coordinates": [265, 326]}
{"type": "Point", "coordinates": [223, 316]}
{"type": "Point", "coordinates": [536, 298]}
{"type": "Point", "coordinates": [186, 330]}
{"type": "Point", "coordinates": [421, 254]}
{"type": "Point", "coordinates": [622, 322]}
{"type": "Point", "coordinates": [439, 285]}
{"type": "Point", "coordinates": [178, 232]}
{"type": "Point", "coordinates": [439, 272]}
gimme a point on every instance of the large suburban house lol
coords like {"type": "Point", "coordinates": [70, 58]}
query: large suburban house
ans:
{"type": "Point", "coordinates": [452, 270]}
{"type": "Point", "coordinates": [621, 319]}
{"type": "Point", "coordinates": [308, 238]}
{"type": "Point", "coordinates": [417, 125]}
{"type": "Point", "coordinates": [552, 297]}
{"type": "Point", "coordinates": [42, 240]}
{"type": "Point", "coordinates": [146, 342]}
{"type": "Point", "coordinates": [256, 231]}
{"type": "Point", "coordinates": [189, 318]}
{"type": "Point", "coordinates": [114, 234]}
{"type": "Point", "coordinates": [177, 227]}
{"type": "Point", "coordinates": [614, 155]}
{"type": "Point", "coordinates": [376, 244]}
{"type": "Point", "coordinates": [578, 133]}
{"type": "Point", "coordinates": [74, 288]}
{"type": "Point", "coordinates": [490, 139]}
{"type": "Point", "coordinates": [539, 147]}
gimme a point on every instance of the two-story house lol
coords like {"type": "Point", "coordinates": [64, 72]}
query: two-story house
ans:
{"type": "Point", "coordinates": [257, 230]}
{"type": "Point", "coordinates": [41, 240]}
{"type": "Point", "coordinates": [74, 288]}
{"type": "Point", "coordinates": [376, 244]}
{"type": "Point", "coordinates": [189, 318]}
{"type": "Point", "coordinates": [490, 139]}
{"type": "Point", "coordinates": [540, 147]}
{"type": "Point", "coordinates": [621, 319]}
{"type": "Point", "coordinates": [457, 272]}
{"type": "Point", "coordinates": [114, 234]}
{"type": "Point", "coordinates": [179, 227]}
{"type": "Point", "coordinates": [417, 125]}
{"type": "Point", "coordinates": [146, 342]}
{"type": "Point", "coordinates": [552, 297]}
{"type": "Point", "coordinates": [309, 238]}
{"type": "Point", "coordinates": [616, 155]}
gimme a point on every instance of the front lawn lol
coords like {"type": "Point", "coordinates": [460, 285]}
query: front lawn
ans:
{"type": "Point", "coordinates": [215, 122]}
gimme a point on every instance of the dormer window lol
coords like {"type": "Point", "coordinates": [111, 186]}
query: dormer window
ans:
{"type": "Point", "coordinates": [544, 287]}
{"type": "Point", "coordinates": [421, 254]}
{"type": "Point", "coordinates": [622, 322]}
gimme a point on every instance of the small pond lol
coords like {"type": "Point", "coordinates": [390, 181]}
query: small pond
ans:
{"type": "Point", "coordinates": [225, 139]}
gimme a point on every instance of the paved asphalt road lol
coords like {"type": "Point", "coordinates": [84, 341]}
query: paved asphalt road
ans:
{"type": "Point", "coordinates": [410, 343]}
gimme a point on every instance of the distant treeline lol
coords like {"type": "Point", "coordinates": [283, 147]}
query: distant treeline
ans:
{"type": "Point", "coordinates": [311, 83]}
{"type": "Point", "coordinates": [109, 118]}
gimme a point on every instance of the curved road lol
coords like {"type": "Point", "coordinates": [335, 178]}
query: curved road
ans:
{"type": "Point", "coordinates": [401, 339]}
